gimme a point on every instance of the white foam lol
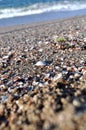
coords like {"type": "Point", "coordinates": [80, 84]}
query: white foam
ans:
{"type": "Point", "coordinates": [41, 8]}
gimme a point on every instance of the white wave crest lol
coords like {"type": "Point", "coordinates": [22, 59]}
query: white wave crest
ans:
{"type": "Point", "coordinates": [41, 8]}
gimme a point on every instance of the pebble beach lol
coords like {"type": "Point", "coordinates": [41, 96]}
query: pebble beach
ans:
{"type": "Point", "coordinates": [43, 75]}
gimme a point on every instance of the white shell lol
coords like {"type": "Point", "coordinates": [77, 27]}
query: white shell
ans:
{"type": "Point", "coordinates": [41, 84]}
{"type": "Point", "coordinates": [47, 75]}
{"type": "Point", "coordinates": [85, 39]}
{"type": "Point", "coordinates": [58, 77]}
{"type": "Point", "coordinates": [35, 83]}
{"type": "Point", "coordinates": [40, 63]}
{"type": "Point", "coordinates": [5, 57]}
{"type": "Point", "coordinates": [71, 77]}
{"type": "Point", "coordinates": [76, 75]}
{"type": "Point", "coordinates": [76, 103]}
{"type": "Point", "coordinates": [57, 67]}
{"type": "Point", "coordinates": [40, 50]}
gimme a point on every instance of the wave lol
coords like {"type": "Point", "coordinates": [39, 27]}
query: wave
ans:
{"type": "Point", "coordinates": [41, 8]}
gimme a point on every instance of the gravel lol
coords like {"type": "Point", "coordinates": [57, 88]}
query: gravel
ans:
{"type": "Point", "coordinates": [43, 76]}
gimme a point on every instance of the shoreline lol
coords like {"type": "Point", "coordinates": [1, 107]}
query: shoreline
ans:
{"type": "Point", "coordinates": [9, 29]}
{"type": "Point", "coordinates": [43, 17]}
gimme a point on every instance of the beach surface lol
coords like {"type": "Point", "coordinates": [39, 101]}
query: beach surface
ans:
{"type": "Point", "coordinates": [43, 75]}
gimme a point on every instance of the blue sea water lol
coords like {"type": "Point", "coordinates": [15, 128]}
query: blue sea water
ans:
{"type": "Point", "coordinates": [16, 8]}
{"type": "Point", "coordinates": [15, 12]}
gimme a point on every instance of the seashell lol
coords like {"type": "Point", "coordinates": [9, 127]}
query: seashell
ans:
{"type": "Point", "coordinates": [47, 75]}
{"type": "Point", "coordinates": [76, 103]}
{"type": "Point", "coordinates": [84, 71]}
{"type": "Point", "coordinates": [40, 42]}
{"type": "Point", "coordinates": [71, 77]}
{"type": "Point", "coordinates": [85, 39]}
{"type": "Point", "coordinates": [81, 78]}
{"type": "Point", "coordinates": [10, 54]}
{"type": "Point", "coordinates": [41, 84]}
{"type": "Point", "coordinates": [57, 67]}
{"type": "Point", "coordinates": [26, 97]}
{"type": "Point", "coordinates": [68, 68]}
{"type": "Point", "coordinates": [41, 63]}
{"type": "Point", "coordinates": [5, 57]}
{"type": "Point", "coordinates": [35, 83]}
{"type": "Point", "coordinates": [82, 61]}
{"type": "Point", "coordinates": [46, 42]}
{"type": "Point", "coordinates": [58, 77]}
{"type": "Point", "coordinates": [40, 50]}
{"type": "Point", "coordinates": [64, 72]}
{"type": "Point", "coordinates": [64, 67]}
{"type": "Point", "coordinates": [10, 90]}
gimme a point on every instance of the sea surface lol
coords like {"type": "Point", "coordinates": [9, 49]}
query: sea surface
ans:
{"type": "Point", "coordinates": [40, 9]}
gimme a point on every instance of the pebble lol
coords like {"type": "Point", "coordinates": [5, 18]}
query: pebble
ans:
{"type": "Point", "coordinates": [1, 110]}
{"type": "Point", "coordinates": [30, 88]}
{"type": "Point", "coordinates": [4, 98]}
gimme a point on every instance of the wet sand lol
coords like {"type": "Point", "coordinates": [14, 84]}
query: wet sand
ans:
{"type": "Point", "coordinates": [43, 75]}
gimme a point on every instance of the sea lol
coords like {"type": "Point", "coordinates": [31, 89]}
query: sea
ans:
{"type": "Point", "coordinates": [28, 11]}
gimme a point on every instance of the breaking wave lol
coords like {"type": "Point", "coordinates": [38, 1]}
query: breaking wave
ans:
{"type": "Point", "coordinates": [42, 8]}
